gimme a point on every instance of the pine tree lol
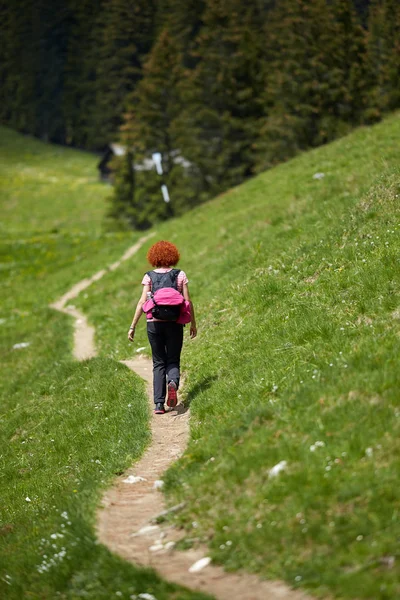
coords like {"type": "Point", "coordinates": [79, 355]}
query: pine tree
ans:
{"type": "Point", "coordinates": [51, 25]}
{"type": "Point", "coordinates": [217, 128]}
{"type": "Point", "coordinates": [198, 101]}
{"type": "Point", "coordinates": [125, 208]}
{"type": "Point", "coordinates": [34, 36]}
{"type": "Point", "coordinates": [315, 79]}
{"type": "Point", "coordinates": [384, 57]}
{"type": "Point", "coordinates": [182, 18]}
{"type": "Point", "coordinates": [351, 62]}
{"type": "Point", "coordinates": [153, 107]}
{"type": "Point", "coordinates": [125, 37]}
{"type": "Point", "coordinates": [18, 66]}
{"type": "Point", "coordinates": [362, 7]}
{"type": "Point", "coordinates": [300, 79]}
{"type": "Point", "coordinates": [79, 97]}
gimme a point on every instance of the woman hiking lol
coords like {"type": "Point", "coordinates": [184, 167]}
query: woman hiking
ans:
{"type": "Point", "coordinates": [165, 334]}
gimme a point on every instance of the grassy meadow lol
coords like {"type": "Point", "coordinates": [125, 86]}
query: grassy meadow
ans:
{"type": "Point", "coordinates": [295, 278]}
{"type": "Point", "coordinates": [66, 428]}
{"type": "Point", "coordinates": [48, 188]}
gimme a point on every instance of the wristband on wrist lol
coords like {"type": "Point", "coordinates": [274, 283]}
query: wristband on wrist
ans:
{"type": "Point", "coordinates": [131, 328]}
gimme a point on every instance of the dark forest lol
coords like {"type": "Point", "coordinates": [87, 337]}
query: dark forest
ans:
{"type": "Point", "coordinates": [221, 88]}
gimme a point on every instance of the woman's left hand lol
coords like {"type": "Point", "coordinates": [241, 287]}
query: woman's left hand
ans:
{"type": "Point", "coordinates": [131, 334]}
{"type": "Point", "coordinates": [193, 331]}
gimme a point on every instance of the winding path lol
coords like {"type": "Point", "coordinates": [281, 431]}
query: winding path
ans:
{"type": "Point", "coordinates": [128, 522]}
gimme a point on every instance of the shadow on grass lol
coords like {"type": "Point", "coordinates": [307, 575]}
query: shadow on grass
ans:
{"type": "Point", "coordinates": [201, 386]}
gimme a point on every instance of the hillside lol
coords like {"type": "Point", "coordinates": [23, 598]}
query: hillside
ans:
{"type": "Point", "coordinates": [48, 188]}
{"type": "Point", "coordinates": [66, 427]}
{"type": "Point", "coordinates": [295, 279]}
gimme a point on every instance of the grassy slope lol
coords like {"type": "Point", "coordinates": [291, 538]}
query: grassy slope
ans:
{"type": "Point", "coordinates": [48, 188]}
{"type": "Point", "coordinates": [295, 280]}
{"type": "Point", "coordinates": [66, 428]}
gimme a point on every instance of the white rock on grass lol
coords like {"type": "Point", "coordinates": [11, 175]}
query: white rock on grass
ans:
{"type": "Point", "coordinates": [21, 345]}
{"type": "Point", "coordinates": [133, 479]}
{"type": "Point", "coordinates": [200, 564]}
{"type": "Point", "coordinates": [318, 175]}
{"type": "Point", "coordinates": [146, 596]}
{"type": "Point", "coordinates": [158, 484]}
{"type": "Point", "coordinates": [281, 466]}
{"type": "Point", "coordinates": [317, 444]}
{"type": "Point", "coordinates": [141, 348]}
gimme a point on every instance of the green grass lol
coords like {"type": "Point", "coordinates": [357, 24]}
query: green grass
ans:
{"type": "Point", "coordinates": [48, 188]}
{"type": "Point", "coordinates": [66, 428]}
{"type": "Point", "coordinates": [296, 285]}
{"type": "Point", "coordinates": [295, 282]}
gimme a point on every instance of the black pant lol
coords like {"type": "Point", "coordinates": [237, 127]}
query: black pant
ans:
{"type": "Point", "coordinates": [166, 339]}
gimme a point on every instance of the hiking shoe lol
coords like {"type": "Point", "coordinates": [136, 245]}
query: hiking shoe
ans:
{"type": "Point", "coordinates": [159, 409]}
{"type": "Point", "coordinates": [172, 395]}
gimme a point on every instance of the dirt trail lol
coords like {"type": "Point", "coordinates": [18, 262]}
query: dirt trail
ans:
{"type": "Point", "coordinates": [84, 346]}
{"type": "Point", "coordinates": [127, 522]}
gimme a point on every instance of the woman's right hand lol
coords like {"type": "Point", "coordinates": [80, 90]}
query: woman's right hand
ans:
{"type": "Point", "coordinates": [131, 334]}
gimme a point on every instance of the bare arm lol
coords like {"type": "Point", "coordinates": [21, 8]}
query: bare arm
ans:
{"type": "Point", "coordinates": [138, 312]}
{"type": "Point", "coordinates": [186, 295]}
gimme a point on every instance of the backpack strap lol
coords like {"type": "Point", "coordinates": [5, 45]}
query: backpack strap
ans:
{"type": "Point", "coordinates": [155, 278]}
{"type": "Point", "coordinates": [175, 275]}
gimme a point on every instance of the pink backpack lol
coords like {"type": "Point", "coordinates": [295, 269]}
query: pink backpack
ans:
{"type": "Point", "coordinates": [167, 304]}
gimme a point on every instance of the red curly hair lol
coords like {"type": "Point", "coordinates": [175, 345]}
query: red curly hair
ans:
{"type": "Point", "coordinates": [163, 254]}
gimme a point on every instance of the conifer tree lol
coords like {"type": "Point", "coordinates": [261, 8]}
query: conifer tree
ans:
{"type": "Point", "coordinates": [79, 98]}
{"type": "Point", "coordinates": [351, 63]}
{"type": "Point", "coordinates": [155, 103]}
{"type": "Point", "coordinates": [126, 33]}
{"type": "Point", "coordinates": [152, 109]}
{"type": "Point", "coordinates": [125, 210]}
{"type": "Point", "coordinates": [18, 66]}
{"type": "Point", "coordinates": [217, 128]}
{"type": "Point", "coordinates": [51, 25]}
{"type": "Point", "coordinates": [34, 38]}
{"type": "Point", "coordinates": [315, 79]}
{"type": "Point", "coordinates": [362, 7]}
{"type": "Point", "coordinates": [384, 57]}
{"type": "Point", "coordinates": [182, 18]}
{"type": "Point", "coordinates": [300, 79]}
